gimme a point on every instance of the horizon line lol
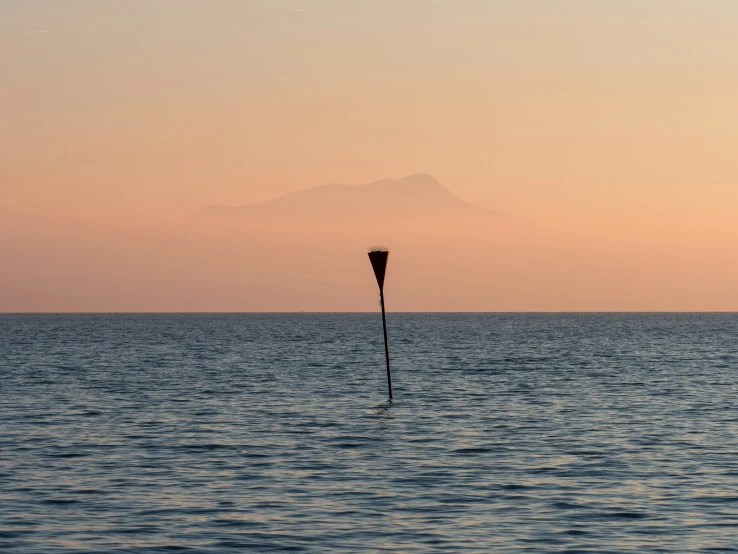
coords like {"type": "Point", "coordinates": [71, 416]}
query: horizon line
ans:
{"type": "Point", "coordinates": [290, 312]}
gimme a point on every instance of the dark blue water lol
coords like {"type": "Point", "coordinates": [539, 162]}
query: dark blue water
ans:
{"type": "Point", "coordinates": [248, 433]}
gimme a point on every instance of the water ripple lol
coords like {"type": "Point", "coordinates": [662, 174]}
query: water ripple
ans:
{"type": "Point", "coordinates": [263, 433]}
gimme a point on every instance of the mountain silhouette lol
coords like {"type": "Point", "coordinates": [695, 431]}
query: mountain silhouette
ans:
{"type": "Point", "coordinates": [415, 197]}
{"type": "Point", "coordinates": [11, 217]}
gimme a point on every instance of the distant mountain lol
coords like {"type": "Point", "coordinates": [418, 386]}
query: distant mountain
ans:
{"type": "Point", "coordinates": [414, 197]}
{"type": "Point", "coordinates": [11, 217]}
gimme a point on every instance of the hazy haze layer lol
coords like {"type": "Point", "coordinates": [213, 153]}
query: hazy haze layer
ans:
{"type": "Point", "coordinates": [607, 128]}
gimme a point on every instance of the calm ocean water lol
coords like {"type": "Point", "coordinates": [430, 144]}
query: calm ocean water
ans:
{"type": "Point", "coordinates": [248, 433]}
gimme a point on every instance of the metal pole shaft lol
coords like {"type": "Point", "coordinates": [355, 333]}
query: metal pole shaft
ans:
{"type": "Point", "coordinates": [386, 347]}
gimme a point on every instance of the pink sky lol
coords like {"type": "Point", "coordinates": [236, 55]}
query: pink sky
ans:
{"type": "Point", "coordinates": [609, 126]}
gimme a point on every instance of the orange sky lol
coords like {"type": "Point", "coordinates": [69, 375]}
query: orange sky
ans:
{"type": "Point", "coordinates": [611, 125]}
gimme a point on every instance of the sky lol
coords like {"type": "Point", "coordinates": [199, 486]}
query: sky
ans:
{"type": "Point", "coordinates": [612, 124]}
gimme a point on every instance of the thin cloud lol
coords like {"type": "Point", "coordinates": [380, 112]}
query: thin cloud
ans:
{"type": "Point", "coordinates": [296, 9]}
{"type": "Point", "coordinates": [33, 32]}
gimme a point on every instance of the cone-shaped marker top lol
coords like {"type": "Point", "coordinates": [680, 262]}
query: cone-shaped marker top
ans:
{"type": "Point", "coordinates": [378, 257]}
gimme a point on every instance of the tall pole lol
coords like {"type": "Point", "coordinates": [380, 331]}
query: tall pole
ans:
{"type": "Point", "coordinates": [386, 345]}
{"type": "Point", "coordinates": [378, 258]}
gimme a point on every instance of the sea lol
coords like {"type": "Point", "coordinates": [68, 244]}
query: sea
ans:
{"type": "Point", "coordinates": [507, 432]}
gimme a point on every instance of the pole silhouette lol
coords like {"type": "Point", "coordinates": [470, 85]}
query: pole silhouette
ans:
{"type": "Point", "coordinates": [378, 258]}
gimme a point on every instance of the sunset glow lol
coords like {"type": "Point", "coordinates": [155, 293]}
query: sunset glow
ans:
{"type": "Point", "coordinates": [606, 130]}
